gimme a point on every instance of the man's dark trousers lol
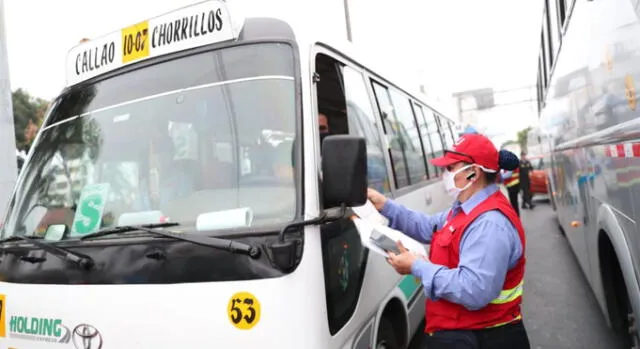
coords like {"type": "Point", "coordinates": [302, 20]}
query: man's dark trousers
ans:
{"type": "Point", "coordinates": [513, 191]}
{"type": "Point", "coordinates": [511, 336]}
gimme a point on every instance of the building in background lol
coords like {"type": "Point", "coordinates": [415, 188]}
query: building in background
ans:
{"type": "Point", "coordinates": [498, 114]}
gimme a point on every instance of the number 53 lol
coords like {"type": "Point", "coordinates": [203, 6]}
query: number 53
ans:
{"type": "Point", "coordinates": [238, 314]}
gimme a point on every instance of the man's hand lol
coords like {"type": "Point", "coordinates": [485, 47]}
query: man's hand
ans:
{"type": "Point", "coordinates": [378, 200]}
{"type": "Point", "coordinates": [402, 262]}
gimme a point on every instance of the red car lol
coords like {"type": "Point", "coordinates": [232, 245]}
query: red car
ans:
{"type": "Point", "coordinates": [538, 177]}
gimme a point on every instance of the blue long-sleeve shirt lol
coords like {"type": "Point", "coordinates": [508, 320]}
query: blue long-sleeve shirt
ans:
{"type": "Point", "coordinates": [505, 175]}
{"type": "Point", "coordinates": [489, 247]}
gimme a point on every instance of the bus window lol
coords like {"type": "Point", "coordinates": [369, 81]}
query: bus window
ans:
{"type": "Point", "coordinates": [406, 122]}
{"type": "Point", "coordinates": [425, 135]}
{"type": "Point", "coordinates": [452, 128]}
{"type": "Point", "coordinates": [434, 133]}
{"type": "Point", "coordinates": [445, 132]}
{"type": "Point", "coordinates": [361, 120]}
{"type": "Point", "coordinates": [396, 143]}
{"type": "Point", "coordinates": [555, 32]}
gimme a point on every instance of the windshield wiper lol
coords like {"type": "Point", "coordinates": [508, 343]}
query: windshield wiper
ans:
{"type": "Point", "coordinates": [218, 243]}
{"type": "Point", "coordinates": [126, 229]}
{"type": "Point", "coordinates": [79, 259]}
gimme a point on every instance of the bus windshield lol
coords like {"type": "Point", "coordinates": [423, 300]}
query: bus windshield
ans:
{"type": "Point", "coordinates": [171, 141]}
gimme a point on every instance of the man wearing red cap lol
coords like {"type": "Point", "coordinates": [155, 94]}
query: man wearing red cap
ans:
{"type": "Point", "coordinates": [473, 277]}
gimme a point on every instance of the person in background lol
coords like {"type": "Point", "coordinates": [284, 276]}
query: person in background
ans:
{"type": "Point", "coordinates": [160, 180]}
{"type": "Point", "coordinates": [323, 127]}
{"type": "Point", "coordinates": [525, 181]}
{"type": "Point", "coordinates": [473, 277]}
{"type": "Point", "coordinates": [511, 180]}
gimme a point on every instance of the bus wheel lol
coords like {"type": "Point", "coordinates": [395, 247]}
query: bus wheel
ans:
{"type": "Point", "coordinates": [632, 341]}
{"type": "Point", "coordinates": [386, 336]}
{"type": "Point", "coordinates": [628, 332]}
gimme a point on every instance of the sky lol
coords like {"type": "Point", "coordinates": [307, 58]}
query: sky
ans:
{"type": "Point", "coordinates": [446, 45]}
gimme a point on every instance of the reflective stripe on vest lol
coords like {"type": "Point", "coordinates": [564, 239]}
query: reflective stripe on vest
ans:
{"type": "Point", "coordinates": [513, 182]}
{"type": "Point", "coordinates": [513, 179]}
{"type": "Point", "coordinates": [510, 295]}
{"type": "Point", "coordinates": [519, 317]}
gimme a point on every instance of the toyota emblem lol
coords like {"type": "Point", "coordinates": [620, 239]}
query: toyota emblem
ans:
{"type": "Point", "coordinates": [86, 337]}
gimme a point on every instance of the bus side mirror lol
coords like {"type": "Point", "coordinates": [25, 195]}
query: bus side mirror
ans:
{"type": "Point", "coordinates": [344, 171]}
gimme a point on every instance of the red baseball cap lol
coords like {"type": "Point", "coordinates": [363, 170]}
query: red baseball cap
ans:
{"type": "Point", "coordinates": [473, 148]}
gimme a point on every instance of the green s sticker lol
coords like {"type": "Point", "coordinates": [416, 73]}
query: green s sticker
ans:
{"type": "Point", "coordinates": [90, 209]}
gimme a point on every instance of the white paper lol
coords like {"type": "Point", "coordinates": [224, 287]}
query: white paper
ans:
{"type": "Point", "coordinates": [365, 228]}
{"type": "Point", "coordinates": [135, 218]}
{"type": "Point", "coordinates": [236, 218]}
{"type": "Point", "coordinates": [369, 212]}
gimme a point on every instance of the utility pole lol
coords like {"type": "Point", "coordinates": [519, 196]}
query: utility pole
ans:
{"type": "Point", "coordinates": [8, 159]}
{"type": "Point", "coordinates": [347, 19]}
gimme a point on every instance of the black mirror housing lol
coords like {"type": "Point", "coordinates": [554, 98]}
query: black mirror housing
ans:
{"type": "Point", "coordinates": [344, 171]}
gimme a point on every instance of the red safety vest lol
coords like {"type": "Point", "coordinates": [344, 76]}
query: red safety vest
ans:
{"type": "Point", "coordinates": [514, 179]}
{"type": "Point", "coordinates": [445, 250]}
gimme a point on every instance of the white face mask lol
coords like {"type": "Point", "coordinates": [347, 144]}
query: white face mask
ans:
{"type": "Point", "coordinates": [448, 178]}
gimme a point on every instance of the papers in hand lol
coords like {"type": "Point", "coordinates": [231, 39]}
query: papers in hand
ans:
{"type": "Point", "coordinates": [369, 222]}
{"type": "Point", "coordinates": [370, 213]}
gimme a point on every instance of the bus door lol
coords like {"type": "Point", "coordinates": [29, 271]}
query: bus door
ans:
{"type": "Point", "coordinates": [342, 96]}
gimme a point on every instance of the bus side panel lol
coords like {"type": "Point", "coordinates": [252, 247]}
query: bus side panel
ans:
{"type": "Point", "coordinates": [563, 117]}
{"type": "Point", "coordinates": [416, 313]}
{"type": "Point", "coordinates": [366, 338]}
{"type": "Point", "coordinates": [592, 117]}
{"type": "Point", "coordinates": [430, 198]}
{"type": "Point", "coordinates": [616, 38]}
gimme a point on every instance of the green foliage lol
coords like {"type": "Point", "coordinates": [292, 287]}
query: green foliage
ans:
{"type": "Point", "coordinates": [523, 137]}
{"type": "Point", "coordinates": [28, 115]}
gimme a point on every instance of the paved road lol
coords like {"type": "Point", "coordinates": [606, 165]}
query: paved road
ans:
{"type": "Point", "coordinates": [560, 311]}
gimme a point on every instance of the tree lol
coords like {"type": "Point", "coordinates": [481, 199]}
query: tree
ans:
{"type": "Point", "coordinates": [28, 115]}
{"type": "Point", "coordinates": [523, 138]}
{"type": "Point", "coordinates": [507, 143]}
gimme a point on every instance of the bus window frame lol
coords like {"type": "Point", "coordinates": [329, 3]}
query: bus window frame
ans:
{"type": "Point", "coordinates": [451, 126]}
{"type": "Point", "coordinates": [321, 47]}
{"type": "Point", "coordinates": [553, 25]}
{"type": "Point", "coordinates": [441, 130]}
{"type": "Point", "coordinates": [395, 93]}
{"type": "Point", "coordinates": [364, 80]}
{"type": "Point", "coordinates": [427, 155]}
{"type": "Point", "coordinates": [374, 82]}
{"type": "Point", "coordinates": [546, 42]}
